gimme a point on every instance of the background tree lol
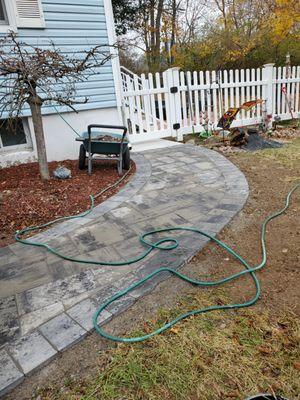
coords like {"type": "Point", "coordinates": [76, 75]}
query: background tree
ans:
{"type": "Point", "coordinates": [154, 31]}
{"type": "Point", "coordinates": [33, 76]}
{"type": "Point", "coordinates": [125, 15]}
{"type": "Point", "coordinates": [242, 34]}
{"type": "Point", "coordinates": [149, 29]}
{"type": "Point", "coordinates": [213, 34]}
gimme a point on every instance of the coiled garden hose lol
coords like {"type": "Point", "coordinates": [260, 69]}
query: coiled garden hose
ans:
{"type": "Point", "coordinates": [168, 243]}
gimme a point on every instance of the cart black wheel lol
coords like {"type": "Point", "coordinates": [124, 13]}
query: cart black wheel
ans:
{"type": "Point", "coordinates": [126, 159]}
{"type": "Point", "coordinates": [82, 157]}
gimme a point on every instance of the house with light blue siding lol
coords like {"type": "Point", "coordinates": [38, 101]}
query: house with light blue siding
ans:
{"type": "Point", "coordinates": [73, 26]}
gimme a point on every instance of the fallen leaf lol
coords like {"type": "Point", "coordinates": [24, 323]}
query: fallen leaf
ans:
{"type": "Point", "coordinates": [265, 350]}
{"type": "Point", "coordinates": [234, 394]}
{"type": "Point", "coordinates": [297, 365]}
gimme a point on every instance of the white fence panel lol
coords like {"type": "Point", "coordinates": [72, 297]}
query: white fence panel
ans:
{"type": "Point", "coordinates": [175, 102]}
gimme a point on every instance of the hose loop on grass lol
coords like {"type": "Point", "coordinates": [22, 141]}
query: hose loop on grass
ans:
{"type": "Point", "coordinates": [161, 244]}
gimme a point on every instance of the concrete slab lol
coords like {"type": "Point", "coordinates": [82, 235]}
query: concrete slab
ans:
{"type": "Point", "coordinates": [152, 145]}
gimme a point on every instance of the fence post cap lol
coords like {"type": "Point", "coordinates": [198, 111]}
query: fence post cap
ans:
{"type": "Point", "coordinates": [269, 65]}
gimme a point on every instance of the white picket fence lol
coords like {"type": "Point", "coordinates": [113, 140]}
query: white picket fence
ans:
{"type": "Point", "coordinates": [175, 103]}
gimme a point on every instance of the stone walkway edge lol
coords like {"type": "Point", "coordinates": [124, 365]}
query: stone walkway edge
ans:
{"type": "Point", "coordinates": [33, 350]}
{"type": "Point", "coordinates": [137, 181]}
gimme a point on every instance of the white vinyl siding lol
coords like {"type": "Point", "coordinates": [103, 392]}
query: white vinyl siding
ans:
{"type": "Point", "coordinates": [75, 26]}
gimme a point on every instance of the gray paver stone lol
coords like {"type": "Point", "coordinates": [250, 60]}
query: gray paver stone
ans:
{"type": "Point", "coordinates": [104, 294]}
{"type": "Point", "coordinates": [62, 331]}
{"type": "Point", "coordinates": [31, 352]}
{"type": "Point", "coordinates": [83, 314]}
{"type": "Point", "coordinates": [63, 289]}
{"type": "Point", "coordinates": [34, 319]}
{"type": "Point", "coordinates": [9, 324]}
{"type": "Point", "coordinates": [10, 376]}
{"type": "Point", "coordinates": [121, 304]}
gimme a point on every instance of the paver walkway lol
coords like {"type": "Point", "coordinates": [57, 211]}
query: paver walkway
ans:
{"type": "Point", "coordinates": [46, 303]}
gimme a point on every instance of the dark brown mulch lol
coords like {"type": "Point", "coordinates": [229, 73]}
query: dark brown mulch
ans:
{"type": "Point", "coordinates": [26, 200]}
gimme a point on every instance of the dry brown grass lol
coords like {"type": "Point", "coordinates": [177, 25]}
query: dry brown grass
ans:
{"type": "Point", "coordinates": [214, 356]}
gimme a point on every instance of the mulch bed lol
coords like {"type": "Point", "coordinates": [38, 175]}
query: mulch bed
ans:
{"type": "Point", "coordinates": [26, 200]}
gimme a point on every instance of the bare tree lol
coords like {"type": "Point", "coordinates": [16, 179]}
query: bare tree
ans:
{"type": "Point", "coordinates": [163, 25]}
{"type": "Point", "coordinates": [34, 76]}
{"type": "Point", "coordinates": [194, 17]}
{"type": "Point", "coordinates": [171, 27]}
{"type": "Point", "coordinates": [148, 27]}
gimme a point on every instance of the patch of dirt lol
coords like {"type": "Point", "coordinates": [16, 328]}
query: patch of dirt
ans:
{"type": "Point", "coordinates": [257, 142]}
{"type": "Point", "coordinates": [26, 200]}
{"type": "Point", "coordinates": [269, 182]}
{"type": "Point", "coordinates": [236, 142]}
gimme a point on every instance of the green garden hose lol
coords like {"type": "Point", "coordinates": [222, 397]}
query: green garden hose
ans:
{"type": "Point", "coordinates": [164, 244]}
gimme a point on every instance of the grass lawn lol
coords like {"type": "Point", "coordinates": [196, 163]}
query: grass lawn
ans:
{"type": "Point", "coordinates": [215, 356]}
{"type": "Point", "coordinates": [220, 355]}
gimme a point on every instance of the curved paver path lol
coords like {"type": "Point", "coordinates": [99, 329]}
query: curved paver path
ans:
{"type": "Point", "coordinates": [46, 304]}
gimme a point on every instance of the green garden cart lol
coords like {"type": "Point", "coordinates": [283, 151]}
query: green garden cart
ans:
{"type": "Point", "coordinates": [104, 144]}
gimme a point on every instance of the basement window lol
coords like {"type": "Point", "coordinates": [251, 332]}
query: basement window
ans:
{"type": "Point", "coordinates": [14, 135]}
{"type": "Point", "coordinates": [7, 16]}
{"type": "Point", "coordinates": [3, 16]}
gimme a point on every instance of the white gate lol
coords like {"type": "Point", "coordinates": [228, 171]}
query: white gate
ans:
{"type": "Point", "coordinates": [175, 103]}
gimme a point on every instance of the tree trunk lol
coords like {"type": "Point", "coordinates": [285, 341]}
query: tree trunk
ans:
{"type": "Point", "coordinates": [152, 24]}
{"type": "Point", "coordinates": [156, 52]}
{"type": "Point", "coordinates": [35, 103]}
{"type": "Point", "coordinates": [173, 30]}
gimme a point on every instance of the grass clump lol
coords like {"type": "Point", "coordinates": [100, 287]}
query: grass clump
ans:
{"type": "Point", "coordinates": [287, 155]}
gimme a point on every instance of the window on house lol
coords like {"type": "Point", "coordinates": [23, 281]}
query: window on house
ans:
{"type": "Point", "coordinates": [13, 135]}
{"type": "Point", "coordinates": [3, 17]}
{"type": "Point", "coordinates": [7, 18]}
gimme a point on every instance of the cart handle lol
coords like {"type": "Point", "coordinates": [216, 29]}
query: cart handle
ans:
{"type": "Point", "coordinates": [123, 128]}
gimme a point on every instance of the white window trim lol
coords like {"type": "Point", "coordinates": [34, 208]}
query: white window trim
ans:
{"type": "Point", "coordinates": [25, 146]}
{"type": "Point", "coordinates": [11, 16]}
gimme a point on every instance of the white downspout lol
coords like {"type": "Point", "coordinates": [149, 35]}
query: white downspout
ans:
{"type": "Point", "coordinates": [112, 40]}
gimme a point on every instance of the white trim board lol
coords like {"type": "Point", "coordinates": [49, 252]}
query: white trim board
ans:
{"type": "Point", "coordinates": [112, 40]}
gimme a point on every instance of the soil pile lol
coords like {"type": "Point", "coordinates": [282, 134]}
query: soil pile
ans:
{"type": "Point", "coordinates": [257, 142]}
